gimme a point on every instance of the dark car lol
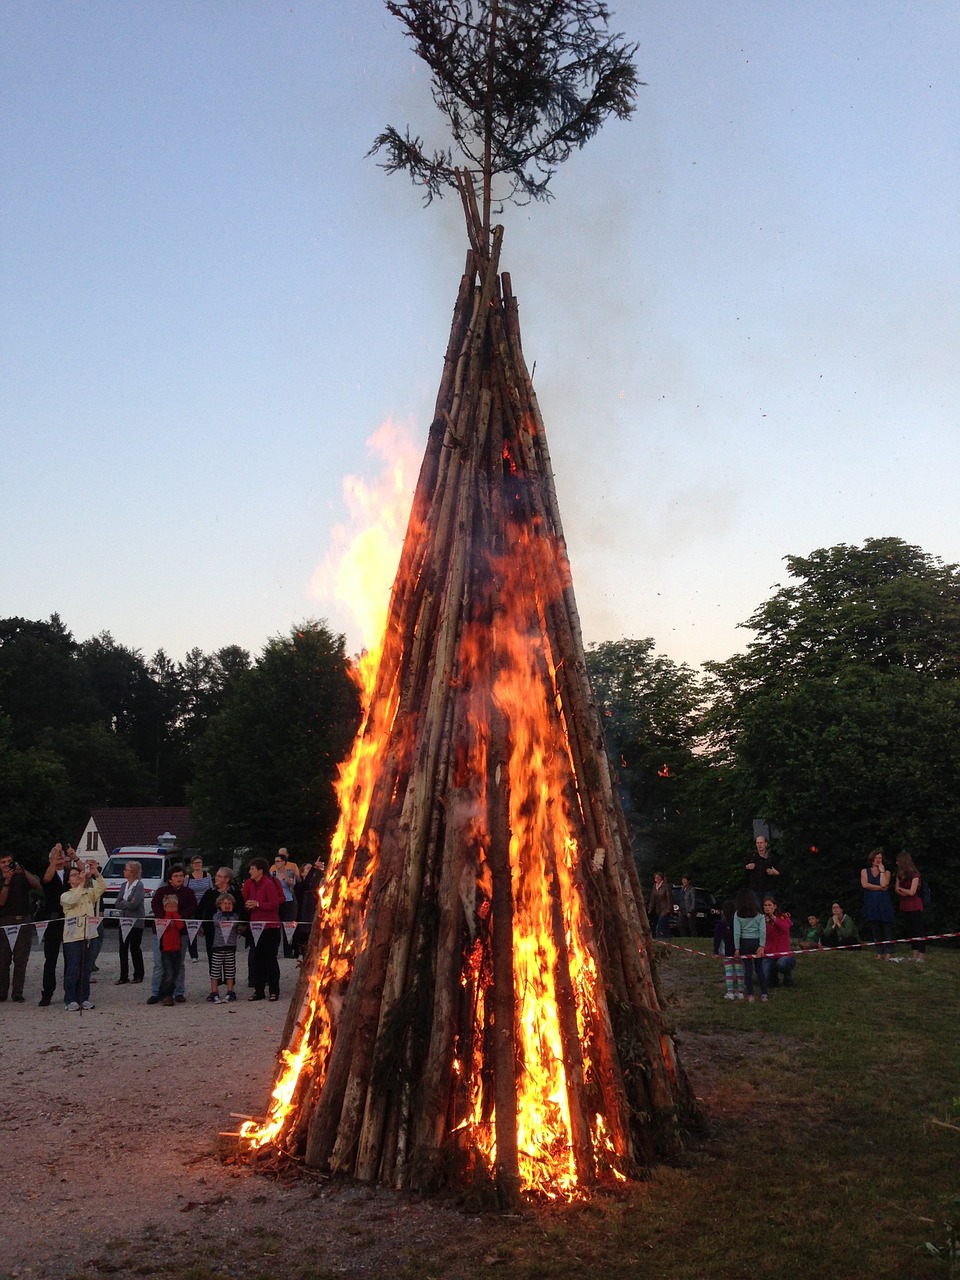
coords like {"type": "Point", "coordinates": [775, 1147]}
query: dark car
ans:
{"type": "Point", "coordinates": [705, 916]}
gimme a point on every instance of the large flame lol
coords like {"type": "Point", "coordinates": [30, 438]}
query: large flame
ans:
{"type": "Point", "coordinates": [507, 667]}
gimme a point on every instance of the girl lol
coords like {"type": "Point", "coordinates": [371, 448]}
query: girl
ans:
{"type": "Point", "coordinates": [749, 937]}
{"type": "Point", "coordinates": [724, 945]}
{"type": "Point", "coordinates": [907, 890]}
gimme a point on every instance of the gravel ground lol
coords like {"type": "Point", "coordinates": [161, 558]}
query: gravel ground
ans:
{"type": "Point", "coordinates": [109, 1154]}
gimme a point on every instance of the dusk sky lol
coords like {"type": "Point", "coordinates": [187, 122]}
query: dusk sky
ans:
{"type": "Point", "coordinates": [742, 307]}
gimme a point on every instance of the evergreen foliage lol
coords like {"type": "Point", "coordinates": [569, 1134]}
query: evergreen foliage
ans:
{"type": "Point", "coordinates": [521, 85]}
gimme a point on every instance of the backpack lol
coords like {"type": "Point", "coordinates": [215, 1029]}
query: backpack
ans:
{"type": "Point", "coordinates": [924, 894]}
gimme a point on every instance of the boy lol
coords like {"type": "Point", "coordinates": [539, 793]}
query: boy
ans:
{"type": "Point", "coordinates": [171, 957]}
{"type": "Point", "coordinates": [223, 954]}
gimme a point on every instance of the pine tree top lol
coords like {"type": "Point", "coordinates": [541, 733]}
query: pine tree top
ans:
{"type": "Point", "coordinates": [522, 83]}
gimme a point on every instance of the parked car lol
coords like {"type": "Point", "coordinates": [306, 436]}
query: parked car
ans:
{"type": "Point", "coordinates": [705, 916]}
{"type": "Point", "coordinates": [154, 865]}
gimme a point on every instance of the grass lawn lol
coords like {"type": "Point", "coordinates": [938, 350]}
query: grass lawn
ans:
{"type": "Point", "coordinates": [823, 1159]}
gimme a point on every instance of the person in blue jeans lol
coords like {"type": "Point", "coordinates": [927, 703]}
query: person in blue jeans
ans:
{"type": "Point", "coordinates": [749, 938]}
{"type": "Point", "coordinates": [187, 910]}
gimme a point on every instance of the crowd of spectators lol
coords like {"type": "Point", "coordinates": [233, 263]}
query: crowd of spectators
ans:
{"type": "Point", "coordinates": [269, 907]}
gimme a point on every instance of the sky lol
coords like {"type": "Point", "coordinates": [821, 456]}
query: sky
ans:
{"type": "Point", "coordinates": [742, 308]}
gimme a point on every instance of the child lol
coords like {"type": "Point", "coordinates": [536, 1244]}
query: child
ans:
{"type": "Point", "coordinates": [170, 957]}
{"type": "Point", "coordinates": [811, 939]}
{"type": "Point", "coordinates": [749, 938]}
{"type": "Point", "coordinates": [723, 945]}
{"type": "Point", "coordinates": [223, 953]}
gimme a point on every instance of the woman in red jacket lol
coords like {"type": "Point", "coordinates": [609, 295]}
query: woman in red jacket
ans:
{"type": "Point", "coordinates": [262, 897]}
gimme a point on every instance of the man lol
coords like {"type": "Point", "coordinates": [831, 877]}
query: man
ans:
{"type": "Point", "coordinates": [187, 910]}
{"type": "Point", "coordinates": [660, 905]}
{"type": "Point", "coordinates": [15, 886]}
{"type": "Point", "coordinates": [688, 908]}
{"type": "Point", "coordinates": [287, 877]}
{"type": "Point", "coordinates": [762, 871]}
{"type": "Point", "coordinates": [54, 882]}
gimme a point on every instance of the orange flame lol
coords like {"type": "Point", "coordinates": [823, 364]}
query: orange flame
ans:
{"type": "Point", "coordinates": [509, 664]}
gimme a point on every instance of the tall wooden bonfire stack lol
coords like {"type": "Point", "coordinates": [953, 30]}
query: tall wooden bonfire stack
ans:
{"type": "Point", "coordinates": [478, 999]}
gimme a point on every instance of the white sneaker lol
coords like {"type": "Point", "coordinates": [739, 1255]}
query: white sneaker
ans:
{"type": "Point", "coordinates": [73, 1007]}
{"type": "Point", "coordinates": [88, 1004]}
{"type": "Point", "coordinates": [740, 995]}
{"type": "Point", "coordinates": [729, 996]}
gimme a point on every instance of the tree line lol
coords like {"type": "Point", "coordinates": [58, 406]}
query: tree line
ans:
{"type": "Point", "coordinates": [839, 724]}
{"type": "Point", "coordinates": [251, 745]}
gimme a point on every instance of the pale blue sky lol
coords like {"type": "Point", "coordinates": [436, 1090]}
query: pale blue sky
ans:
{"type": "Point", "coordinates": [742, 305]}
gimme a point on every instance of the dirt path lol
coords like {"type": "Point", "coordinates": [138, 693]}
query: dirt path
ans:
{"type": "Point", "coordinates": [108, 1150]}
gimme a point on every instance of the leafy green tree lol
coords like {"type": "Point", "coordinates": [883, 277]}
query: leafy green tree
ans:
{"type": "Point", "coordinates": [265, 767]}
{"type": "Point", "coordinates": [35, 799]}
{"type": "Point", "coordinates": [520, 85]}
{"type": "Point", "coordinates": [840, 723]}
{"type": "Point", "coordinates": [651, 708]}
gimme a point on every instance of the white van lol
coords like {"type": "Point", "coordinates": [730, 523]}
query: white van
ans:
{"type": "Point", "coordinates": [154, 865]}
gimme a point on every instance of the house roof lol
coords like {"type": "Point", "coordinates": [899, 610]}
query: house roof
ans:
{"type": "Point", "coordinates": [119, 827]}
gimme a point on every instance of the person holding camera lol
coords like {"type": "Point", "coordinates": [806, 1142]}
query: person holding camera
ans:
{"type": "Point", "coordinates": [15, 886]}
{"type": "Point", "coordinates": [53, 883]}
{"type": "Point", "coordinates": [79, 931]}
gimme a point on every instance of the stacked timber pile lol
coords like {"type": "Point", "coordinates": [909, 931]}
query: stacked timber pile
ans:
{"type": "Point", "coordinates": [478, 998]}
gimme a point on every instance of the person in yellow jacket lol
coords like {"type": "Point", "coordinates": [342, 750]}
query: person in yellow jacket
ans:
{"type": "Point", "coordinates": [79, 905]}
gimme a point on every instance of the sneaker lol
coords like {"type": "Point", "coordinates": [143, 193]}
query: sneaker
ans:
{"type": "Point", "coordinates": [195, 959]}
{"type": "Point", "coordinates": [153, 1000]}
{"type": "Point", "coordinates": [751, 999]}
{"type": "Point", "coordinates": [729, 996]}
{"type": "Point", "coordinates": [73, 1007]}
{"type": "Point", "coordinates": [180, 999]}
{"type": "Point", "coordinates": [213, 998]}
{"type": "Point", "coordinates": [741, 996]}
{"type": "Point", "coordinates": [168, 1001]}
{"type": "Point", "coordinates": [88, 1004]}
{"type": "Point", "coordinates": [763, 999]}
{"type": "Point", "coordinates": [230, 998]}
{"type": "Point", "coordinates": [43, 1002]}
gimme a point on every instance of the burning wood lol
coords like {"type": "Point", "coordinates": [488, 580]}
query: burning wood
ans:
{"type": "Point", "coordinates": [478, 998]}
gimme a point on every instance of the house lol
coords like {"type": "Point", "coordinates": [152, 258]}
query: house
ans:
{"type": "Point", "coordinates": [169, 826]}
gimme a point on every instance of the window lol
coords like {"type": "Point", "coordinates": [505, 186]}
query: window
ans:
{"type": "Point", "coordinates": [93, 841]}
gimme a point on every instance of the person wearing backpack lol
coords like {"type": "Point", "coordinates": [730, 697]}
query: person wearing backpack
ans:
{"type": "Point", "coordinates": [907, 889]}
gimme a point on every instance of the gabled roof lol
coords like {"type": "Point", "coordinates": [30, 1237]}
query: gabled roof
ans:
{"type": "Point", "coordinates": [120, 827]}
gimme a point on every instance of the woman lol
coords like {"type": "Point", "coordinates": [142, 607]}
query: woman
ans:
{"type": "Point", "coordinates": [840, 931]}
{"type": "Point", "coordinates": [262, 897]}
{"type": "Point", "coordinates": [131, 912]}
{"type": "Point", "coordinates": [877, 907]}
{"type": "Point", "coordinates": [907, 890]}
{"type": "Point", "coordinates": [749, 938]}
{"type": "Point", "coordinates": [199, 881]}
{"type": "Point", "coordinates": [79, 904]}
{"type": "Point", "coordinates": [660, 904]}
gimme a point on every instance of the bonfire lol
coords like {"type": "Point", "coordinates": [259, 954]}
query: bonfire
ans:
{"type": "Point", "coordinates": [478, 1002]}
